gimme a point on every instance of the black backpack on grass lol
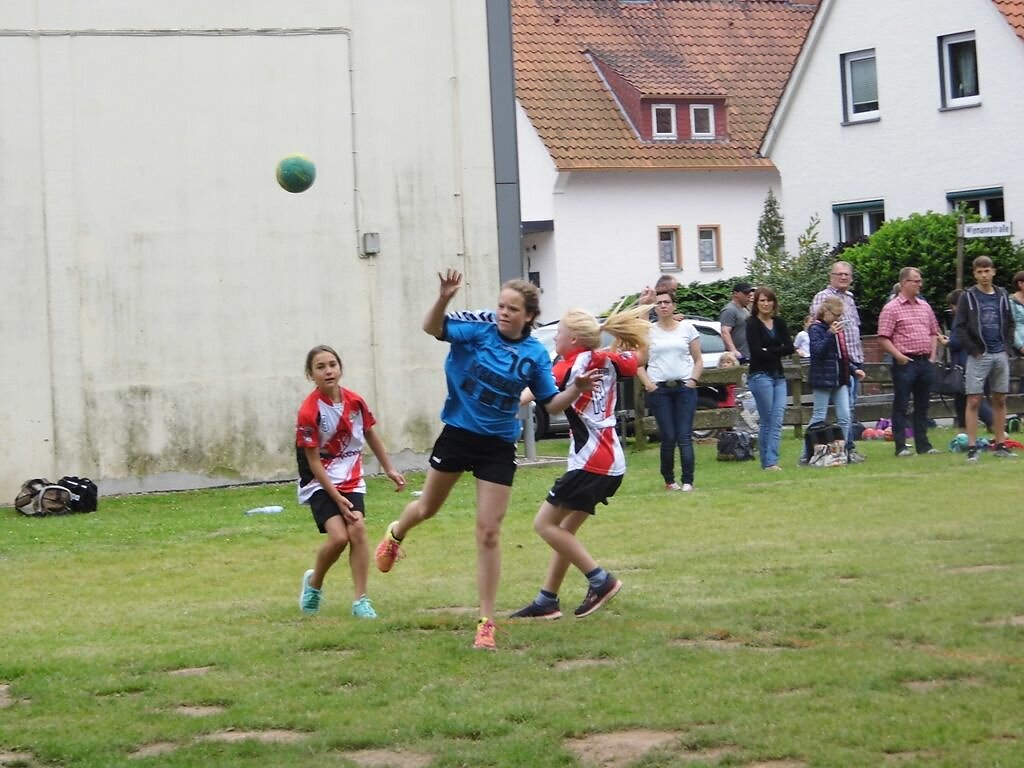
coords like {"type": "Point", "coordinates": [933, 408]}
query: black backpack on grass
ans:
{"type": "Point", "coordinates": [39, 497]}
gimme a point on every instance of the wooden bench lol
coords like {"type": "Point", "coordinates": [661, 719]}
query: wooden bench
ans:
{"type": "Point", "coordinates": [874, 401]}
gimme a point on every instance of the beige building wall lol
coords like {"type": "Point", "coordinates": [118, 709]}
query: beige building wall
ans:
{"type": "Point", "coordinates": [161, 291]}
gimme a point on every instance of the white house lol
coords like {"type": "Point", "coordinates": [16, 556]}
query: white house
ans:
{"type": "Point", "coordinates": [902, 107]}
{"type": "Point", "coordinates": [161, 291]}
{"type": "Point", "coordinates": [638, 135]}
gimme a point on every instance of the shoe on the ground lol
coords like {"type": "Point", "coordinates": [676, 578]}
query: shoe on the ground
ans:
{"type": "Point", "coordinates": [363, 608]}
{"type": "Point", "coordinates": [854, 457]}
{"type": "Point", "coordinates": [932, 451]}
{"type": "Point", "coordinates": [1003, 452]}
{"type": "Point", "coordinates": [673, 487]}
{"type": "Point", "coordinates": [597, 597]}
{"type": "Point", "coordinates": [972, 454]}
{"type": "Point", "coordinates": [534, 611]}
{"type": "Point", "coordinates": [904, 452]}
{"type": "Point", "coordinates": [309, 597]}
{"type": "Point", "coordinates": [388, 551]}
{"type": "Point", "coordinates": [687, 487]}
{"type": "Point", "coordinates": [804, 461]}
{"type": "Point", "coordinates": [485, 635]}
{"type": "Point", "coordinates": [774, 468]}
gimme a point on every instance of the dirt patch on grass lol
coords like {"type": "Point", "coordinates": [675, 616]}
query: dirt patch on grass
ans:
{"type": "Point", "coordinates": [154, 749]}
{"type": "Point", "coordinates": [777, 764]}
{"type": "Point", "coordinates": [726, 642]}
{"type": "Point", "coordinates": [15, 758]}
{"type": "Point", "coordinates": [270, 736]}
{"type": "Point", "coordinates": [976, 568]}
{"type": "Point", "coordinates": [190, 671]}
{"type": "Point", "coordinates": [582, 663]}
{"type": "Point", "coordinates": [925, 686]}
{"type": "Point", "coordinates": [1013, 621]}
{"type": "Point", "coordinates": [616, 750]}
{"type": "Point", "coordinates": [898, 758]}
{"type": "Point", "coordinates": [454, 610]}
{"type": "Point", "coordinates": [196, 710]}
{"type": "Point", "coordinates": [5, 697]}
{"type": "Point", "coordinates": [389, 758]}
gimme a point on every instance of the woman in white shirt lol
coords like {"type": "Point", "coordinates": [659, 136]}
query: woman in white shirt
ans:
{"type": "Point", "coordinates": [670, 373]}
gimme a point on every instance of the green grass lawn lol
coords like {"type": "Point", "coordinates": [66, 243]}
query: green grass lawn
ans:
{"type": "Point", "coordinates": [871, 615]}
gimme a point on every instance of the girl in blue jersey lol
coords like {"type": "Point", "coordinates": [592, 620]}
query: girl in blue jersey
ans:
{"type": "Point", "coordinates": [488, 366]}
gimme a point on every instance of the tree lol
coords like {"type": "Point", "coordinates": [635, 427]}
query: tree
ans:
{"type": "Point", "coordinates": [795, 279]}
{"type": "Point", "coordinates": [770, 249]}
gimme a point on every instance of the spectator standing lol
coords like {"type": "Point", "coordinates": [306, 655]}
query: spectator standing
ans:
{"type": "Point", "coordinates": [831, 368]}
{"type": "Point", "coordinates": [984, 329]}
{"type": "Point", "coordinates": [733, 319]}
{"type": "Point", "coordinates": [908, 331]}
{"type": "Point", "coordinates": [665, 283]}
{"type": "Point", "coordinates": [669, 373]}
{"type": "Point", "coordinates": [1017, 305]}
{"type": "Point", "coordinates": [840, 278]}
{"type": "Point", "coordinates": [958, 356]}
{"type": "Point", "coordinates": [769, 342]}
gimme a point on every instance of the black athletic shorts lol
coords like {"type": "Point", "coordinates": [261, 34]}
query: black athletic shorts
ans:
{"type": "Point", "coordinates": [488, 458]}
{"type": "Point", "coordinates": [581, 491]}
{"type": "Point", "coordinates": [323, 507]}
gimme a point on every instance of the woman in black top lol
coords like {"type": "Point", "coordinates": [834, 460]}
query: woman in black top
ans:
{"type": "Point", "coordinates": [769, 341]}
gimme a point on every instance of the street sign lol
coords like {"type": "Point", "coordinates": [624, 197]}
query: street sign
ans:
{"type": "Point", "coordinates": [989, 229]}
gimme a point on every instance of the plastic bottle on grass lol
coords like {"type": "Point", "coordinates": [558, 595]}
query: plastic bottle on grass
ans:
{"type": "Point", "coordinates": [272, 510]}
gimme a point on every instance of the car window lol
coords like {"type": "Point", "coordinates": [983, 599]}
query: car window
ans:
{"type": "Point", "coordinates": [710, 340]}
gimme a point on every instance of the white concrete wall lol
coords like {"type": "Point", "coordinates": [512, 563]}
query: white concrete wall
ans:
{"type": "Point", "coordinates": [162, 290]}
{"type": "Point", "coordinates": [537, 172]}
{"type": "Point", "coordinates": [915, 153]}
{"type": "Point", "coordinates": [606, 231]}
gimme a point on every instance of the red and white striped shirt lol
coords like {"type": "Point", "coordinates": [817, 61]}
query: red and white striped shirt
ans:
{"type": "Point", "coordinates": [595, 444]}
{"type": "Point", "coordinates": [338, 431]}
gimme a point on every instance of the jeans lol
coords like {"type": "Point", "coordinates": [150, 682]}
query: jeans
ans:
{"type": "Point", "coordinates": [673, 410]}
{"type": "Point", "coordinates": [853, 390]}
{"type": "Point", "coordinates": [770, 396]}
{"type": "Point", "coordinates": [913, 379]}
{"type": "Point", "coordinates": [840, 397]}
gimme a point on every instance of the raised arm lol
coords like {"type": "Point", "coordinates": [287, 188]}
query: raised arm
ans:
{"type": "Point", "coordinates": [433, 323]}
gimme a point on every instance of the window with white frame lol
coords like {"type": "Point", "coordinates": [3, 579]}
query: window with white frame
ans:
{"type": "Point", "coordinates": [663, 121]}
{"type": "Point", "coordinates": [860, 86]}
{"type": "Point", "coordinates": [855, 221]}
{"type": "Point", "coordinates": [958, 69]}
{"type": "Point", "coordinates": [987, 203]}
{"type": "Point", "coordinates": [709, 247]}
{"type": "Point", "coordinates": [702, 121]}
{"type": "Point", "coordinates": [669, 255]}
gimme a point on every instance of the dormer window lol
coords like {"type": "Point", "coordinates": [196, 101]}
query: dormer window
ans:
{"type": "Point", "coordinates": [702, 121]}
{"type": "Point", "coordinates": [663, 121]}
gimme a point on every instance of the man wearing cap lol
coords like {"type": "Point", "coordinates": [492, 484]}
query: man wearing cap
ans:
{"type": "Point", "coordinates": [840, 278]}
{"type": "Point", "coordinates": [908, 330]}
{"type": "Point", "coordinates": [733, 319]}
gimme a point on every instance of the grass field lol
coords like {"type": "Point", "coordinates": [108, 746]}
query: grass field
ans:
{"type": "Point", "coordinates": [871, 615]}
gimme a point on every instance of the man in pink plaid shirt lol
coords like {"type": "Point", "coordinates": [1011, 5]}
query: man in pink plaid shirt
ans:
{"type": "Point", "coordinates": [908, 330]}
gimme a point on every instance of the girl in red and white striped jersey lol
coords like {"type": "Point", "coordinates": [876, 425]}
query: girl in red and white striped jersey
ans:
{"type": "Point", "coordinates": [596, 462]}
{"type": "Point", "coordinates": [332, 427]}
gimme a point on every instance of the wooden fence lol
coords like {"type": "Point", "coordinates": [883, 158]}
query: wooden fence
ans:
{"type": "Point", "coordinates": [874, 401]}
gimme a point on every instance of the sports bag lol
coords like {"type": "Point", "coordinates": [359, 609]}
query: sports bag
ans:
{"type": "Point", "coordinates": [39, 497]}
{"type": "Point", "coordinates": [734, 446]}
{"type": "Point", "coordinates": [84, 494]}
{"type": "Point", "coordinates": [826, 445]}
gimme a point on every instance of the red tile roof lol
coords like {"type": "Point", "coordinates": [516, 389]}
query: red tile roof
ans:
{"type": "Point", "coordinates": [741, 50]}
{"type": "Point", "coordinates": [1013, 10]}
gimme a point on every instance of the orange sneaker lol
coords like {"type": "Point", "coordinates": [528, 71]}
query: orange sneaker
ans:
{"type": "Point", "coordinates": [388, 551]}
{"type": "Point", "coordinates": [485, 635]}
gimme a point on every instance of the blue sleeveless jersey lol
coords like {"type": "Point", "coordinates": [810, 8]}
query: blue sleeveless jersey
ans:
{"type": "Point", "coordinates": [486, 374]}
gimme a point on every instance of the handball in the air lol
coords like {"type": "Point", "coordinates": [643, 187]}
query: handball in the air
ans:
{"type": "Point", "coordinates": [296, 173]}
